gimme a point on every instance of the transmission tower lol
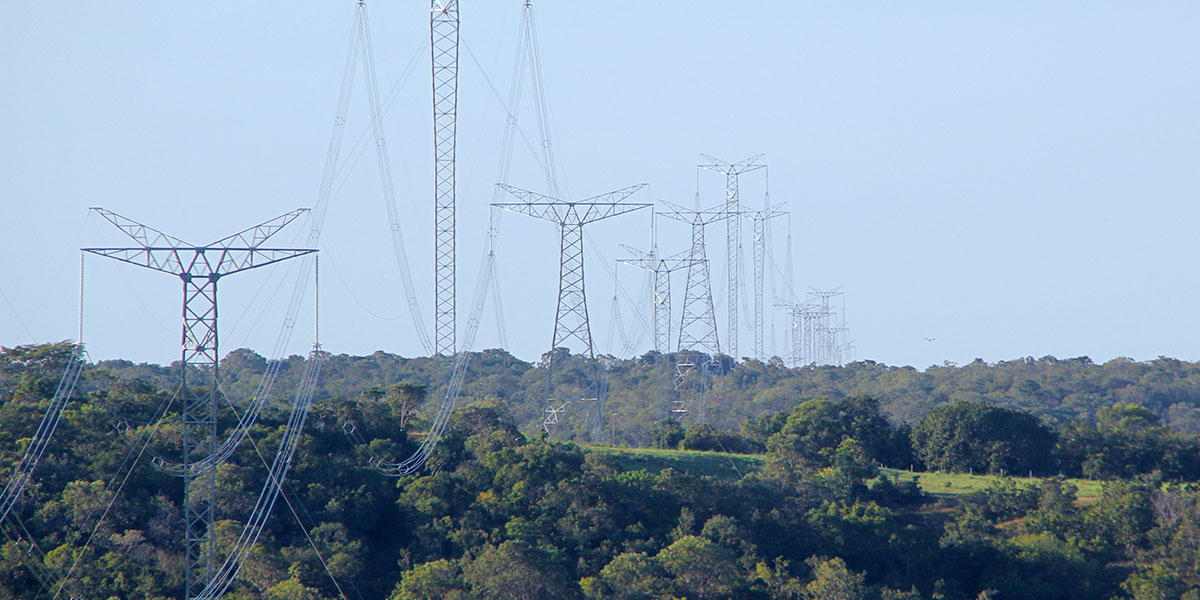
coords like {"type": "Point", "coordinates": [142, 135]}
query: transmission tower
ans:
{"type": "Point", "coordinates": [662, 269]}
{"type": "Point", "coordinates": [199, 267]}
{"type": "Point", "coordinates": [759, 220]}
{"type": "Point", "coordinates": [443, 28]}
{"type": "Point", "coordinates": [802, 319]}
{"type": "Point", "coordinates": [698, 327]}
{"type": "Point", "coordinates": [698, 343]}
{"type": "Point", "coordinates": [571, 317]}
{"type": "Point", "coordinates": [827, 351]}
{"type": "Point", "coordinates": [733, 232]}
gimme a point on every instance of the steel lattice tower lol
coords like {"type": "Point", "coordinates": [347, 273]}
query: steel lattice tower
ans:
{"type": "Point", "coordinates": [827, 351]}
{"type": "Point", "coordinates": [199, 267]}
{"type": "Point", "coordinates": [571, 317]}
{"type": "Point", "coordinates": [662, 268]}
{"type": "Point", "coordinates": [698, 327]}
{"type": "Point", "coordinates": [800, 315]}
{"type": "Point", "coordinates": [733, 240]}
{"type": "Point", "coordinates": [759, 220]}
{"type": "Point", "coordinates": [443, 28]}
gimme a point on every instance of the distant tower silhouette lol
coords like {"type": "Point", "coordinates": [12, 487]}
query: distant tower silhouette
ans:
{"type": "Point", "coordinates": [662, 269]}
{"type": "Point", "coordinates": [698, 326]}
{"type": "Point", "coordinates": [571, 317]}
{"type": "Point", "coordinates": [759, 220]}
{"type": "Point", "coordinates": [733, 239]}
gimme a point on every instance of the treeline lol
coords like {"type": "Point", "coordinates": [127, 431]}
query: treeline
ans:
{"type": "Point", "coordinates": [967, 437]}
{"type": "Point", "coordinates": [504, 512]}
{"type": "Point", "coordinates": [1057, 391]}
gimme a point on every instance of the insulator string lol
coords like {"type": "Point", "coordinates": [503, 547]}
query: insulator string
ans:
{"type": "Point", "coordinates": [82, 256]}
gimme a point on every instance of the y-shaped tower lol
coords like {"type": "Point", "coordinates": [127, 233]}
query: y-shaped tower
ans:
{"type": "Point", "coordinates": [733, 241]}
{"type": "Point", "coordinates": [662, 269]}
{"type": "Point", "coordinates": [698, 327]}
{"type": "Point", "coordinates": [571, 318]}
{"type": "Point", "coordinates": [200, 267]}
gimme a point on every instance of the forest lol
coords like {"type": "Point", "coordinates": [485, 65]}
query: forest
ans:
{"type": "Point", "coordinates": [503, 510]}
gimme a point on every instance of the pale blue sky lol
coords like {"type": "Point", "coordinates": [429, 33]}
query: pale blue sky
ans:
{"type": "Point", "coordinates": [1011, 179]}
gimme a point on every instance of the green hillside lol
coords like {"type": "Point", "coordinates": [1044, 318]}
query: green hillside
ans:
{"type": "Point", "coordinates": [735, 466]}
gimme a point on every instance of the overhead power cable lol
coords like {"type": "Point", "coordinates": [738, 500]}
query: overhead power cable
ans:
{"type": "Point", "coordinates": [41, 438]}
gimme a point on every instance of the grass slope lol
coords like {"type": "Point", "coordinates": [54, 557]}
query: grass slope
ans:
{"type": "Point", "coordinates": [734, 466]}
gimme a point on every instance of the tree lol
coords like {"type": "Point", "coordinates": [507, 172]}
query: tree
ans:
{"type": "Point", "coordinates": [515, 570]}
{"type": "Point", "coordinates": [668, 434]}
{"type": "Point", "coordinates": [435, 580]}
{"type": "Point", "coordinates": [833, 581]}
{"type": "Point", "coordinates": [405, 399]}
{"type": "Point", "coordinates": [976, 436]}
{"type": "Point", "coordinates": [701, 568]}
{"type": "Point", "coordinates": [629, 576]}
{"type": "Point", "coordinates": [817, 427]}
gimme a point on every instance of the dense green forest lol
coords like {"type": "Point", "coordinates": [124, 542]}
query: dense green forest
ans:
{"type": "Point", "coordinates": [503, 511]}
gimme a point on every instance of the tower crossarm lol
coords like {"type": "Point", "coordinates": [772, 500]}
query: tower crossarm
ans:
{"type": "Point", "coordinates": [144, 235]}
{"type": "Point", "coordinates": [200, 261]}
{"type": "Point", "coordinates": [253, 237]}
{"type": "Point", "coordinates": [728, 168]}
{"type": "Point", "coordinates": [693, 217]}
{"type": "Point", "coordinates": [168, 254]}
{"type": "Point", "coordinates": [765, 214]}
{"type": "Point", "coordinates": [660, 265]}
{"type": "Point", "coordinates": [639, 254]}
{"type": "Point", "coordinates": [566, 213]}
{"type": "Point", "coordinates": [613, 196]}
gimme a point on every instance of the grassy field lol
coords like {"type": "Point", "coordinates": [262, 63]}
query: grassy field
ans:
{"type": "Point", "coordinates": [734, 466]}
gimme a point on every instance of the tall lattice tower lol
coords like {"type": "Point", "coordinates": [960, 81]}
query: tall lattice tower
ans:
{"type": "Point", "coordinates": [827, 350]}
{"type": "Point", "coordinates": [200, 268]}
{"type": "Point", "coordinates": [698, 326]}
{"type": "Point", "coordinates": [759, 219]}
{"type": "Point", "coordinates": [571, 316]}
{"type": "Point", "coordinates": [443, 29]}
{"type": "Point", "coordinates": [733, 232]}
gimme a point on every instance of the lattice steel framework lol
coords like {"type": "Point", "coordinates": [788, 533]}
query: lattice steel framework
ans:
{"type": "Point", "coordinates": [733, 232]}
{"type": "Point", "coordinates": [662, 269]}
{"type": "Point", "coordinates": [799, 318]}
{"type": "Point", "coordinates": [698, 341]}
{"type": "Point", "coordinates": [199, 268]}
{"type": "Point", "coordinates": [698, 326]}
{"type": "Point", "coordinates": [443, 28]}
{"type": "Point", "coordinates": [571, 316]}
{"type": "Point", "coordinates": [759, 220]}
{"type": "Point", "coordinates": [826, 351]}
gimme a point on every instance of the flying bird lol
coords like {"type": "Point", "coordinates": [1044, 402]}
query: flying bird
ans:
{"type": "Point", "coordinates": [929, 339]}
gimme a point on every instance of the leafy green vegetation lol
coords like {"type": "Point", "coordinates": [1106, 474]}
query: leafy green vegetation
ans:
{"type": "Point", "coordinates": [694, 462]}
{"type": "Point", "coordinates": [818, 501]}
{"type": "Point", "coordinates": [735, 466]}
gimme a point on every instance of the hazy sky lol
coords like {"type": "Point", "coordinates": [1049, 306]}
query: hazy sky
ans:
{"type": "Point", "coordinates": [1011, 179]}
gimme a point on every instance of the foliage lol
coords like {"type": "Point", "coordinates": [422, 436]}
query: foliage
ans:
{"type": "Point", "coordinates": [503, 511]}
{"type": "Point", "coordinates": [975, 436]}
